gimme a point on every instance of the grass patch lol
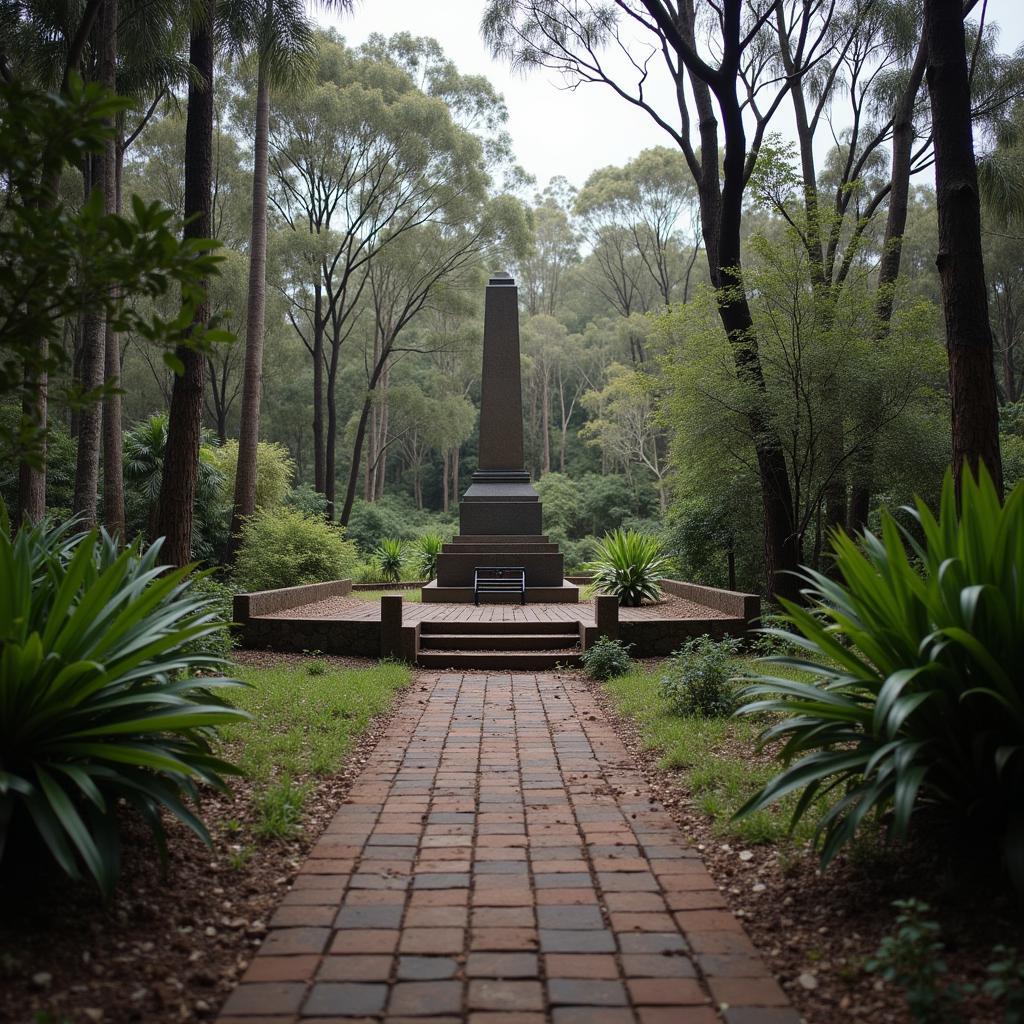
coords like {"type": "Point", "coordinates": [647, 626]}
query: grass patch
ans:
{"type": "Point", "coordinates": [305, 722]}
{"type": "Point", "coordinates": [414, 595]}
{"type": "Point", "coordinates": [716, 758]}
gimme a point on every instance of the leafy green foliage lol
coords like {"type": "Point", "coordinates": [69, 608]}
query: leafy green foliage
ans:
{"type": "Point", "coordinates": [282, 547]}
{"type": "Point", "coordinates": [144, 448]}
{"type": "Point", "coordinates": [697, 678]}
{"type": "Point", "coordinates": [912, 959]}
{"type": "Point", "coordinates": [428, 547]}
{"type": "Point", "coordinates": [913, 653]}
{"type": "Point", "coordinates": [99, 698]}
{"type": "Point", "coordinates": [1005, 983]}
{"type": "Point", "coordinates": [390, 557]}
{"type": "Point", "coordinates": [57, 262]}
{"type": "Point", "coordinates": [606, 659]}
{"type": "Point", "coordinates": [274, 471]}
{"type": "Point", "coordinates": [307, 499]}
{"type": "Point", "coordinates": [629, 565]}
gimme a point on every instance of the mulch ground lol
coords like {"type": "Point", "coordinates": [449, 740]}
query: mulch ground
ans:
{"type": "Point", "coordinates": [171, 945]}
{"type": "Point", "coordinates": [816, 931]}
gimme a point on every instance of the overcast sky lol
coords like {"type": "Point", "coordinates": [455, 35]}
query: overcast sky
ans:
{"type": "Point", "coordinates": [555, 130]}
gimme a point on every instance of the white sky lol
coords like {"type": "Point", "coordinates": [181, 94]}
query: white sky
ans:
{"type": "Point", "coordinates": [555, 130]}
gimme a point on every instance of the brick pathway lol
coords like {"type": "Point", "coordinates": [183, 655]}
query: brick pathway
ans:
{"type": "Point", "coordinates": [500, 861]}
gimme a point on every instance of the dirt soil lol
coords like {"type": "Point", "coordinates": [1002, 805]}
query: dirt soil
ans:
{"type": "Point", "coordinates": [815, 930]}
{"type": "Point", "coordinates": [169, 947]}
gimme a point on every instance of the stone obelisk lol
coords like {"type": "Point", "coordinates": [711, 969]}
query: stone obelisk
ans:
{"type": "Point", "coordinates": [501, 499]}
{"type": "Point", "coordinates": [500, 513]}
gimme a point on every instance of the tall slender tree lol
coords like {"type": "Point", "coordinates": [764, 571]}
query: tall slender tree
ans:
{"type": "Point", "coordinates": [972, 381]}
{"type": "Point", "coordinates": [181, 466]}
{"type": "Point", "coordinates": [279, 35]}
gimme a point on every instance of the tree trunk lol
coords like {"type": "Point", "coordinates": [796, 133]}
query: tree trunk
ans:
{"type": "Point", "coordinates": [113, 444]}
{"type": "Point", "coordinates": [889, 269]}
{"type": "Point", "coordinates": [972, 382]}
{"type": "Point", "coordinates": [252, 379]}
{"type": "Point", "coordinates": [184, 429]}
{"type": "Point", "coordinates": [319, 475]}
{"type": "Point", "coordinates": [87, 462]}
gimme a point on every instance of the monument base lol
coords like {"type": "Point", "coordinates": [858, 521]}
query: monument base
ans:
{"type": "Point", "coordinates": [566, 593]}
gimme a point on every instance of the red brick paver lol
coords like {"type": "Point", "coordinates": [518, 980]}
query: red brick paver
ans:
{"type": "Point", "coordinates": [501, 860]}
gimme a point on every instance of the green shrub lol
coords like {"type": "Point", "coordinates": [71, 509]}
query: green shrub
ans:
{"type": "Point", "coordinates": [428, 547]}
{"type": "Point", "coordinates": [911, 959]}
{"type": "Point", "coordinates": [368, 572]}
{"type": "Point", "coordinates": [282, 547]}
{"type": "Point", "coordinates": [914, 653]}
{"type": "Point", "coordinates": [274, 472]}
{"type": "Point", "coordinates": [98, 699]}
{"type": "Point", "coordinates": [390, 557]}
{"type": "Point", "coordinates": [306, 498]}
{"type": "Point", "coordinates": [629, 565]}
{"type": "Point", "coordinates": [1005, 983]}
{"type": "Point", "coordinates": [696, 679]}
{"type": "Point", "coordinates": [606, 659]}
{"type": "Point", "coordinates": [219, 642]}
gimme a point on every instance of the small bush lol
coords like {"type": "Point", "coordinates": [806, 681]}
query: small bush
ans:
{"type": "Point", "coordinates": [368, 572]}
{"type": "Point", "coordinates": [913, 653]}
{"type": "Point", "coordinates": [282, 547]}
{"type": "Point", "coordinates": [390, 556]}
{"type": "Point", "coordinates": [629, 565]}
{"type": "Point", "coordinates": [274, 471]}
{"type": "Point", "coordinates": [306, 498]}
{"type": "Point", "coordinates": [606, 659]}
{"type": "Point", "coordinates": [911, 959]}
{"type": "Point", "coordinates": [696, 680]}
{"type": "Point", "coordinates": [428, 547]}
{"type": "Point", "coordinates": [102, 701]}
{"type": "Point", "coordinates": [316, 668]}
{"type": "Point", "coordinates": [220, 642]}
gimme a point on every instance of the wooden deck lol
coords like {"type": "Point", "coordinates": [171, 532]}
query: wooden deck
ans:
{"type": "Point", "coordinates": [349, 609]}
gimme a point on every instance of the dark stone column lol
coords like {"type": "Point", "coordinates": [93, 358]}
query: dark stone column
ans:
{"type": "Point", "coordinates": [391, 626]}
{"type": "Point", "coordinates": [501, 391]}
{"type": "Point", "coordinates": [606, 615]}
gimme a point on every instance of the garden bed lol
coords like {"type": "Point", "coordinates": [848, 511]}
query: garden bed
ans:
{"type": "Point", "coordinates": [170, 948]}
{"type": "Point", "coordinates": [816, 931]}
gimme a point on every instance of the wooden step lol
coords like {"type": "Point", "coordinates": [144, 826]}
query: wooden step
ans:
{"type": "Point", "coordinates": [498, 641]}
{"type": "Point", "coordinates": [516, 626]}
{"type": "Point", "coordinates": [527, 661]}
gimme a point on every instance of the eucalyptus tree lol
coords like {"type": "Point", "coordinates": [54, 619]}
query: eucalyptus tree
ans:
{"type": "Point", "coordinates": [554, 246]}
{"type": "Point", "coordinates": [185, 418]}
{"type": "Point", "coordinates": [713, 56]}
{"type": "Point", "coordinates": [972, 383]}
{"type": "Point", "coordinates": [44, 42]}
{"type": "Point", "coordinates": [363, 160]}
{"type": "Point", "coordinates": [654, 199]}
{"type": "Point", "coordinates": [278, 36]}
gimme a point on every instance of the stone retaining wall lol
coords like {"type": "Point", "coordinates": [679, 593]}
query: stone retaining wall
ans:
{"type": "Point", "coordinates": [732, 602]}
{"type": "Point", "coordinates": [357, 638]}
{"type": "Point", "coordinates": [656, 638]}
{"type": "Point", "coordinates": [266, 602]}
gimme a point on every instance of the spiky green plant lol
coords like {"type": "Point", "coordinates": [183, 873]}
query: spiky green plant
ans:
{"type": "Point", "coordinates": [629, 564]}
{"type": "Point", "coordinates": [390, 556]}
{"type": "Point", "coordinates": [428, 547]}
{"type": "Point", "coordinates": [99, 698]}
{"type": "Point", "coordinates": [914, 653]}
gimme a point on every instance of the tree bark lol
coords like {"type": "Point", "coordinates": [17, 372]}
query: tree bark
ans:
{"type": "Point", "coordinates": [184, 431]}
{"type": "Point", "coordinates": [252, 378]}
{"type": "Point", "coordinates": [113, 444]}
{"type": "Point", "coordinates": [972, 382]}
{"type": "Point", "coordinates": [87, 461]}
{"type": "Point", "coordinates": [319, 475]}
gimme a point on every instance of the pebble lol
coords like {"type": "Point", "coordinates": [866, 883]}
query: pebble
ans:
{"type": "Point", "coordinates": [94, 1013]}
{"type": "Point", "coordinates": [746, 855]}
{"type": "Point", "coordinates": [807, 981]}
{"type": "Point", "coordinates": [42, 979]}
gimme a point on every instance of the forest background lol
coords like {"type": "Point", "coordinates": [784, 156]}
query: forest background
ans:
{"type": "Point", "coordinates": [394, 192]}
